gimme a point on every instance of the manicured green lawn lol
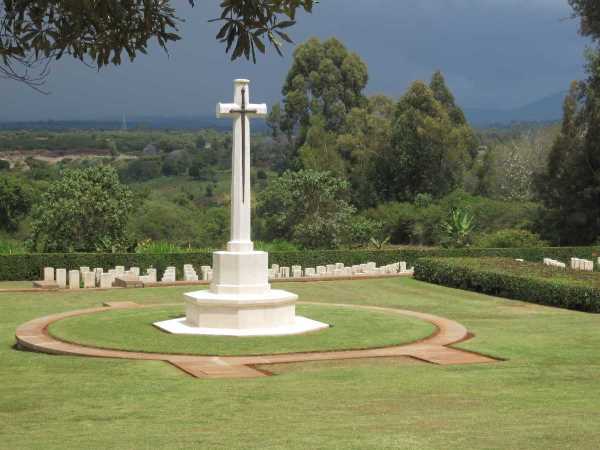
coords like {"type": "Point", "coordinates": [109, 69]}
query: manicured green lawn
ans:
{"type": "Point", "coordinates": [133, 330]}
{"type": "Point", "coordinates": [545, 396]}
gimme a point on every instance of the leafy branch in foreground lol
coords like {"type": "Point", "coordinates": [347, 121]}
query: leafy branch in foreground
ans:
{"type": "Point", "coordinates": [104, 32]}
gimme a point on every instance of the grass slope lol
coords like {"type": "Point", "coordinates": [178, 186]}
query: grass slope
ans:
{"type": "Point", "coordinates": [133, 330]}
{"type": "Point", "coordinates": [545, 396]}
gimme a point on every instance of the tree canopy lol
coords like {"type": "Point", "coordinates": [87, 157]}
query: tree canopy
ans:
{"type": "Point", "coordinates": [103, 32]}
{"type": "Point", "coordinates": [85, 210]}
{"type": "Point", "coordinates": [325, 79]}
{"type": "Point", "coordinates": [428, 151]}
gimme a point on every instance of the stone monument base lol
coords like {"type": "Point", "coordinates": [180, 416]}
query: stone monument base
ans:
{"type": "Point", "coordinates": [240, 302]}
{"type": "Point", "coordinates": [301, 325]}
{"type": "Point", "coordinates": [271, 313]}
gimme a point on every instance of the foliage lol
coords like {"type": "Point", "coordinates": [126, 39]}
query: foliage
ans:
{"type": "Point", "coordinates": [418, 222]}
{"type": "Point", "coordinates": [142, 169]}
{"type": "Point", "coordinates": [506, 165]}
{"type": "Point", "coordinates": [428, 152]}
{"type": "Point", "coordinates": [510, 238]}
{"type": "Point", "coordinates": [32, 34]}
{"type": "Point", "coordinates": [176, 163]}
{"type": "Point", "coordinates": [158, 247]}
{"type": "Point", "coordinates": [11, 247]}
{"type": "Point", "coordinates": [325, 79]}
{"type": "Point", "coordinates": [319, 151]}
{"type": "Point", "coordinates": [531, 282]}
{"type": "Point", "coordinates": [570, 185]}
{"type": "Point", "coordinates": [458, 228]}
{"type": "Point", "coordinates": [308, 208]}
{"type": "Point", "coordinates": [589, 14]}
{"type": "Point", "coordinates": [15, 202]}
{"type": "Point", "coordinates": [85, 210]}
{"type": "Point", "coordinates": [277, 245]}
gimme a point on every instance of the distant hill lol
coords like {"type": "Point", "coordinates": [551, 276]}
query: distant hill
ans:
{"type": "Point", "coordinates": [547, 109]}
{"type": "Point", "coordinates": [152, 123]}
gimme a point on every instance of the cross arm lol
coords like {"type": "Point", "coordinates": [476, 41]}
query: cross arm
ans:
{"type": "Point", "coordinates": [225, 110]}
{"type": "Point", "coordinates": [257, 110]}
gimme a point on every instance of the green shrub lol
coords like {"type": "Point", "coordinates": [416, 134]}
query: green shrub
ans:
{"type": "Point", "coordinates": [530, 282]}
{"type": "Point", "coordinates": [511, 238]}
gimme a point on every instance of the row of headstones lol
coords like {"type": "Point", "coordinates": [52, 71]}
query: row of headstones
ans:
{"type": "Point", "coordinates": [97, 277]}
{"type": "Point", "coordinates": [554, 263]}
{"type": "Point", "coordinates": [576, 264]}
{"type": "Point", "coordinates": [337, 270]}
{"type": "Point", "coordinates": [583, 264]}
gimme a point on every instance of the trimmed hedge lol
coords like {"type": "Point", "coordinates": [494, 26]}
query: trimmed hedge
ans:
{"type": "Point", "coordinates": [29, 266]}
{"type": "Point", "coordinates": [528, 282]}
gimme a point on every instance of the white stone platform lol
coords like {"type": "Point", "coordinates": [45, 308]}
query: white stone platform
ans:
{"type": "Point", "coordinates": [301, 325]}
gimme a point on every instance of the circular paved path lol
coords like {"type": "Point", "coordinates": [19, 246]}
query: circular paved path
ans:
{"type": "Point", "coordinates": [434, 349]}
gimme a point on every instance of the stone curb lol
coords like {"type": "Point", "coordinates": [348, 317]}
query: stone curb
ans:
{"type": "Point", "coordinates": [434, 349]}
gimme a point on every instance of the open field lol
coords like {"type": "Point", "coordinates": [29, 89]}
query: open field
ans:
{"type": "Point", "coordinates": [544, 396]}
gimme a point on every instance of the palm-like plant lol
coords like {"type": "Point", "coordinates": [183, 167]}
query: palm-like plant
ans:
{"type": "Point", "coordinates": [458, 228]}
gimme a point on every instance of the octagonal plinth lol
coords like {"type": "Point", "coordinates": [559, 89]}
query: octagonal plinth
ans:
{"type": "Point", "coordinates": [274, 308]}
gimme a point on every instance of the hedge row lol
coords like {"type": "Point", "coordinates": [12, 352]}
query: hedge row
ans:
{"type": "Point", "coordinates": [29, 266]}
{"type": "Point", "coordinates": [475, 274]}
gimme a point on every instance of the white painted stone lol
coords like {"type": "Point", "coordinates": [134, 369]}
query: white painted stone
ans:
{"type": "Point", "coordinates": [240, 298]}
{"type": "Point", "coordinates": [135, 271]}
{"type": "Point", "coordinates": [151, 274]}
{"type": "Point", "coordinates": [330, 269]}
{"type": "Point", "coordinates": [74, 279]}
{"type": "Point", "coordinates": [119, 270]}
{"type": "Point", "coordinates": [48, 273]}
{"type": "Point", "coordinates": [339, 265]}
{"type": "Point", "coordinates": [106, 280]}
{"type": "Point", "coordinates": [169, 275]}
{"type": "Point", "coordinates": [321, 270]}
{"type": "Point", "coordinates": [284, 272]}
{"type": "Point", "coordinates": [348, 271]}
{"type": "Point", "coordinates": [338, 272]}
{"type": "Point", "coordinates": [301, 325]}
{"type": "Point", "coordinates": [98, 271]}
{"type": "Point", "coordinates": [297, 273]}
{"type": "Point", "coordinates": [310, 272]}
{"type": "Point", "coordinates": [89, 280]}
{"type": "Point", "coordinates": [61, 278]}
{"type": "Point", "coordinates": [296, 267]}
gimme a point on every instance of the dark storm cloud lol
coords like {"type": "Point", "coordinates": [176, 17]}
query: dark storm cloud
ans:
{"type": "Point", "coordinates": [495, 53]}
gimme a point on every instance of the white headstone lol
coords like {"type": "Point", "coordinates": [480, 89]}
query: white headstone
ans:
{"type": "Point", "coordinates": [106, 280]}
{"type": "Point", "coordinates": [89, 279]}
{"type": "Point", "coordinates": [48, 273]}
{"type": "Point", "coordinates": [74, 279]}
{"type": "Point", "coordinates": [61, 278]}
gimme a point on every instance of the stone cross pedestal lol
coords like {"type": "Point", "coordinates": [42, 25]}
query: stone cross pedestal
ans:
{"type": "Point", "coordinates": [240, 301]}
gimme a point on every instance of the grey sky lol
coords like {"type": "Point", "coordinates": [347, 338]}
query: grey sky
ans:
{"type": "Point", "coordinates": [494, 53]}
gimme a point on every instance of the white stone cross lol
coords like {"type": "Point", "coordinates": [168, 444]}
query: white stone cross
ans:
{"type": "Point", "coordinates": [241, 111]}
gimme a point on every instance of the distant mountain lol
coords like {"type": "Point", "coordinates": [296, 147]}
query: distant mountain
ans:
{"type": "Point", "coordinates": [547, 109]}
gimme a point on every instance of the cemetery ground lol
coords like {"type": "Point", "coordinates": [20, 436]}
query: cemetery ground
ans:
{"type": "Point", "coordinates": [543, 393]}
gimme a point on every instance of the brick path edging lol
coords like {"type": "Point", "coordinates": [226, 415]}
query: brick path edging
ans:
{"type": "Point", "coordinates": [434, 349]}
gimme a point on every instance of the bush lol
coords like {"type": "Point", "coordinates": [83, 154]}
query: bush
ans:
{"type": "Point", "coordinates": [510, 238]}
{"type": "Point", "coordinates": [29, 266]}
{"type": "Point", "coordinates": [530, 282]}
